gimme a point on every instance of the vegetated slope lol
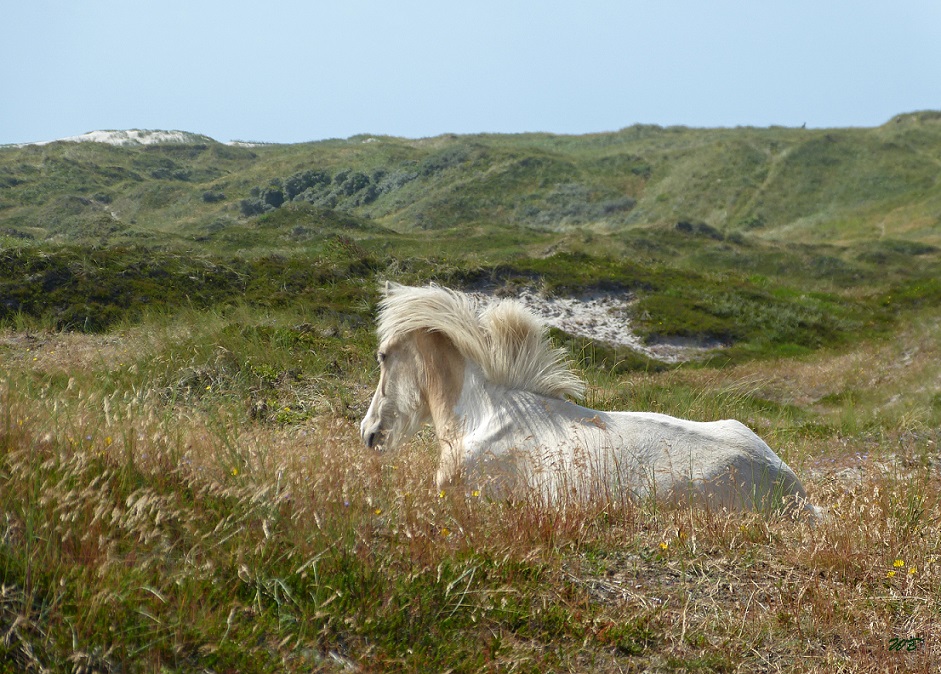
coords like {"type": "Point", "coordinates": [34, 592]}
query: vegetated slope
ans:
{"type": "Point", "coordinates": [810, 185]}
{"type": "Point", "coordinates": [191, 492]}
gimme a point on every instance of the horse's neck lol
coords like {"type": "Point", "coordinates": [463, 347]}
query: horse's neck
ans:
{"type": "Point", "coordinates": [493, 419]}
{"type": "Point", "coordinates": [485, 410]}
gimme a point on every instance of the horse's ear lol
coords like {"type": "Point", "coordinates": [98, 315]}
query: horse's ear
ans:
{"type": "Point", "coordinates": [390, 287]}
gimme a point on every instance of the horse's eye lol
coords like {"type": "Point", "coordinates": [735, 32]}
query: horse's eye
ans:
{"type": "Point", "coordinates": [381, 357]}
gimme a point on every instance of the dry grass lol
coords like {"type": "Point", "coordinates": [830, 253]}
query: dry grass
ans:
{"type": "Point", "coordinates": [141, 534]}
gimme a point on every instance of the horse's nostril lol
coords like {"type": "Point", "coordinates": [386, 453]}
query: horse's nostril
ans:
{"type": "Point", "coordinates": [371, 440]}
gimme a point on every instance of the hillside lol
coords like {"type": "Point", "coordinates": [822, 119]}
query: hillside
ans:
{"type": "Point", "coordinates": [187, 347]}
{"type": "Point", "coordinates": [834, 185]}
{"type": "Point", "coordinates": [764, 241]}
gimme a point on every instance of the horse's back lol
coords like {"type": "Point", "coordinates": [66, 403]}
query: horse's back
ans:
{"type": "Point", "coordinates": [564, 449]}
{"type": "Point", "coordinates": [722, 462]}
{"type": "Point", "coordinates": [652, 434]}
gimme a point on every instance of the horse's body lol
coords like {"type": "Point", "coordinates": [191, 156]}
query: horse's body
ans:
{"type": "Point", "coordinates": [488, 381]}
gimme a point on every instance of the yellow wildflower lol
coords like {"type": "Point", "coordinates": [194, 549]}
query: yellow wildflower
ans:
{"type": "Point", "coordinates": [890, 574]}
{"type": "Point", "coordinates": [898, 563]}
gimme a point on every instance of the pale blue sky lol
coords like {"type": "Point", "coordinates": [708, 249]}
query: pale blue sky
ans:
{"type": "Point", "coordinates": [291, 71]}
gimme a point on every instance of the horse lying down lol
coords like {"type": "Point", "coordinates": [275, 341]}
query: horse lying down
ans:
{"type": "Point", "coordinates": [487, 378]}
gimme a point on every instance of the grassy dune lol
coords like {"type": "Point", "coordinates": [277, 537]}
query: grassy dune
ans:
{"type": "Point", "coordinates": [820, 185]}
{"type": "Point", "coordinates": [183, 365]}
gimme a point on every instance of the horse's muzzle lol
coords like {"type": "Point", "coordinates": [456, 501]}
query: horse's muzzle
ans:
{"type": "Point", "coordinates": [371, 433]}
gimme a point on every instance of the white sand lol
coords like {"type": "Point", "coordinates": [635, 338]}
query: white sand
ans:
{"type": "Point", "coordinates": [605, 317]}
{"type": "Point", "coordinates": [130, 137]}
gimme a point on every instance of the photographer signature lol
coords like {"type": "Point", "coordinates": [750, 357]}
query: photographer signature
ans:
{"type": "Point", "coordinates": [912, 644]}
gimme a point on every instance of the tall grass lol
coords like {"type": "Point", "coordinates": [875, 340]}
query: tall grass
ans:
{"type": "Point", "coordinates": [154, 524]}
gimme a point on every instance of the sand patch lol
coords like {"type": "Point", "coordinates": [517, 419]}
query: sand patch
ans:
{"type": "Point", "coordinates": [604, 317]}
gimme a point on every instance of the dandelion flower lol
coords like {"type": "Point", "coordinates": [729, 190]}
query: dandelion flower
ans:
{"type": "Point", "coordinates": [378, 511]}
{"type": "Point", "coordinates": [445, 532]}
{"type": "Point", "coordinates": [108, 440]}
{"type": "Point", "coordinates": [664, 545]}
{"type": "Point", "coordinates": [890, 574]}
{"type": "Point", "coordinates": [898, 563]}
{"type": "Point", "coordinates": [475, 493]}
{"type": "Point", "coordinates": [912, 571]}
{"type": "Point", "coordinates": [441, 494]}
{"type": "Point", "coordinates": [235, 471]}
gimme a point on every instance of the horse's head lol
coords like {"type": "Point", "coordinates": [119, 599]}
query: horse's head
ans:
{"type": "Point", "coordinates": [399, 406]}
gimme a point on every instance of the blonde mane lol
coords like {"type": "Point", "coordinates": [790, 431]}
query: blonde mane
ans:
{"type": "Point", "coordinates": [508, 343]}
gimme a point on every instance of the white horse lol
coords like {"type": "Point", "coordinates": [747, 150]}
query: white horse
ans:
{"type": "Point", "coordinates": [495, 390]}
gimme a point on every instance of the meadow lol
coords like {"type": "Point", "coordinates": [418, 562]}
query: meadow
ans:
{"type": "Point", "coordinates": [182, 483]}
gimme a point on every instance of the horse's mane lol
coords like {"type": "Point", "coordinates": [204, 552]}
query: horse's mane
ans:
{"type": "Point", "coordinates": [508, 342]}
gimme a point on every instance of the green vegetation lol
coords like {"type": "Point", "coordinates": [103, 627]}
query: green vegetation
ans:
{"type": "Point", "coordinates": [837, 185]}
{"type": "Point", "coordinates": [769, 241]}
{"type": "Point", "coordinates": [186, 349]}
